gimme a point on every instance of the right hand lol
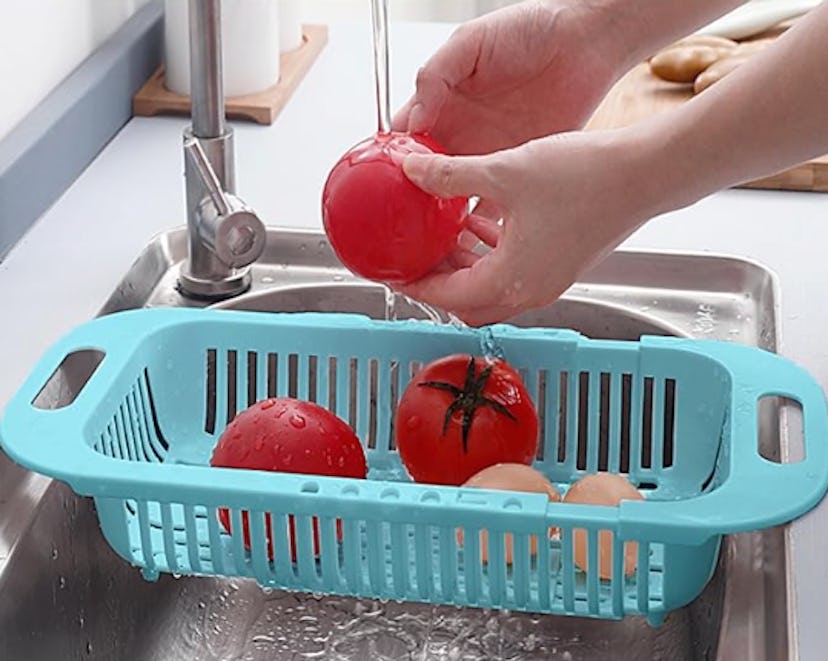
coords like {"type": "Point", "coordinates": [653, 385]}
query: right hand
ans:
{"type": "Point", "coordinates": [519, 73]}
{"type": "Point", "coordinates": [566, 202]}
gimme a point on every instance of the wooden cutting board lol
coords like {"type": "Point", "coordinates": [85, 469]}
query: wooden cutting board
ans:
{"type": "Point", "coordinates": [640, 94]}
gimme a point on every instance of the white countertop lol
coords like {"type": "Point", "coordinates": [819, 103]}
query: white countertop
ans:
{"type": "Point", "coordinates": [63, 270]}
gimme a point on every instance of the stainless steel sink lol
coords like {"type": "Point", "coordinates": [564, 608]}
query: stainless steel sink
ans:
{"type": "Point", "coordinates": [65, 595]}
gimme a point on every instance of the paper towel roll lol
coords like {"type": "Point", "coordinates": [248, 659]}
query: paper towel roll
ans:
{"type": "Point", "coordinates": [290, 25]}
{"type": "Point", "coordinates": [250, 45]}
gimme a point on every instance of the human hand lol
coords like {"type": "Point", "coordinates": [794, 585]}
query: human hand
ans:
{"type": "Point", "coordinates": [523, 72]}
{"type": "Point", "coordinates": [565, 202]}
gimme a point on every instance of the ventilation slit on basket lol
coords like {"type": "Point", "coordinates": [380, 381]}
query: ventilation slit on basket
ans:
{"type": "Point", "coordinates": [626, 418]}
{"type": "Point", "coordinates": [293, 374]}
{"type": "Point", "coordinates": [232, 366]}
{"type": "Point", "coordinates": [313, 365]}
{"type": "Point", "coordinates": [272, 374]}
{"type": "Point", "coordinates": [669, 421]}
{"type": "Point", "coordinates": [138, 433]}
{"type": "Point", "coordinates": [373, 394]}
{"type": "Point", "coordinates": [126, 441]}
{"type": "Point", "coordinates": [353, 392]}
{"type": "Point", "coordinates": [647, 424]}
{"type": "Point", "coordinates": [414, 368]}
{"type": "Point", "coordinates": [332, 384]}
{"type": "Point", "coordinates": [541, 408]}
{"type": "Point", "coordinates": [604, 423]}
{"type": "Point", "coordinates": [395, 399]}
{"type": "Point", "coordinates": [563, 389]}
{"type": "Point", "coordinates": [583, 419]}
{"type": "Point", "coordinates": [147, 409]}
{"type": "Point", "coordinates": [209, 393]}
{"type": "Point", "coordinates": [252, 360]}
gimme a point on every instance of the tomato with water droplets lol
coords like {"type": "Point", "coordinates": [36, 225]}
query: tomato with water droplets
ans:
{"type": "Point", "coordinates": [290, 436]}
{"type": "Point", "coordinates": [461, 414]}
{"type": "Point", "coordinates": [381, 226]}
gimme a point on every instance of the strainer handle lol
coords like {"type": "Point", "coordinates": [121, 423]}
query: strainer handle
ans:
{"type": "Point", "coordinates": [755, 492]}
{"type": "Point", "coordinates": [36, 433]}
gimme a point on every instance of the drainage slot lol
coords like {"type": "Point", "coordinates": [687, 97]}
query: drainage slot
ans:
{"type": "Point", "coordinates": [583, 419]}
{"type": "Point", "coordinates": [603, 428]}
{"type": "Point", "coordinates": [626, 415]}
{"type": "Point", "coordinates": [647, 424]}
{"type": "Point", "coordinates": [210, 393]}
{"type": "Point", "coordinates": [669, 421]}
{"type": "Point", "coordinates": [232, 365]}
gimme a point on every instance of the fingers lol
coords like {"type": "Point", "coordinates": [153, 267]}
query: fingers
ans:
{"type": "Point", "coordinates": [488, 208]}
{"type": "Point", "coordinates": [475, 286]}
{"type": "Point", "coordinates": [449, 66]}
{"type": "Point", "coordinates": [463, 259]}
{"type": "Point", "coordinates": [450, 176]}
{"type": "Point", "coordinates": [488, 231]}
{"type": "Point", "coordinates": [487, 315]}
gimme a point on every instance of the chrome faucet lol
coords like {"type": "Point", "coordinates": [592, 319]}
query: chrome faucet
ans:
{"type": "Point", "coordinates": [225, 235]}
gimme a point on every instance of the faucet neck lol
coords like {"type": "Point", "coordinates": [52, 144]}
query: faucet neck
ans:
{"type": "Point", "coordinates": [206, 81]}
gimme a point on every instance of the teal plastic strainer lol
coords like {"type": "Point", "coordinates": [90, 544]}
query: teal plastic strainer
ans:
{"type": "Point", "coordinates": [678, 416]}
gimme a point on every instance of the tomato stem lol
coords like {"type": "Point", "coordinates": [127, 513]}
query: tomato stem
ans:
{"type": "Point", "coordinates": [468, 399]}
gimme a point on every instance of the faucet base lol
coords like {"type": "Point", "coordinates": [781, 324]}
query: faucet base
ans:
{"type": "Point", "coordinates": [213, 290]}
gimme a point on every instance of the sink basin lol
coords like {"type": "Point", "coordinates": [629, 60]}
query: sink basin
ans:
{"type": "Point", "coordinates": [65, 595]}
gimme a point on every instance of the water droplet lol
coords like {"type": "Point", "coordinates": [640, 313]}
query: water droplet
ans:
{"type": "Point", "coordinates": [297, 421]}
{"type": "Point", "coordinates": [267, 404]}
{"type": "Point", "coordinates": [267, 279]}
{"type": "Point", "coordinates": [263, 639]}
{"type": "Point", "coordinates": [81, 621]}
{"type": "Point", "coordinates": [201, 604]}
{"type": "Point", "coordinates": [89, 647]}
{"type": "Point", "coordinates": [62, 582]}
{"type": "Point", "coordinates": [413, 422]}
{"type": "Point", "coordinates": [341, 462]}
{"type": "Point", "coordinates": [338, 278]}
{"type": "Point", "coordinates": [54, 554]}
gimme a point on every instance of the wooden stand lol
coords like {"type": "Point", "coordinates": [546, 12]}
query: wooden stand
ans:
{"type": "Point", "coordinates": [155, 99]}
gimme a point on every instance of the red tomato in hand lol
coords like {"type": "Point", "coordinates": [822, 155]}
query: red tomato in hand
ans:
{"type": "Point", "coordinates": [462, 414]}
{"type": "Point", "coordinates": [381, 226]}
{"type": "Point", "coordinates": [290, 436]}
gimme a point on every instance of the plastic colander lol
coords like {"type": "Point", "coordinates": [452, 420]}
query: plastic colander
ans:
{"type": "Point", "coordinates": [678, 417]}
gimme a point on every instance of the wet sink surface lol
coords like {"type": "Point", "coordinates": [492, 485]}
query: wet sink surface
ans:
{"type": "Point", "coordinates": [65, 595]}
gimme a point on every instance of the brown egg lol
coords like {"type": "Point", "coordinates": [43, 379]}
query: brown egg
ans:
{"type": "Point", "coordinates": [510, 477]}
{"type": "Point", "coordinates": [603, 489]}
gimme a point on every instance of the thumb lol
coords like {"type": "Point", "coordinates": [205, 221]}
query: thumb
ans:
{"type": "Point", "coordinates": [450, 176]}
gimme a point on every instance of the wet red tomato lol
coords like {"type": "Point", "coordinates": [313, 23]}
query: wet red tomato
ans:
{"type": "Point", "coordinates": [290, 436]}
{"type": "Point", "coordinates": [461, 414]}
{"type": "Point", "coordinates": [381, 226]}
